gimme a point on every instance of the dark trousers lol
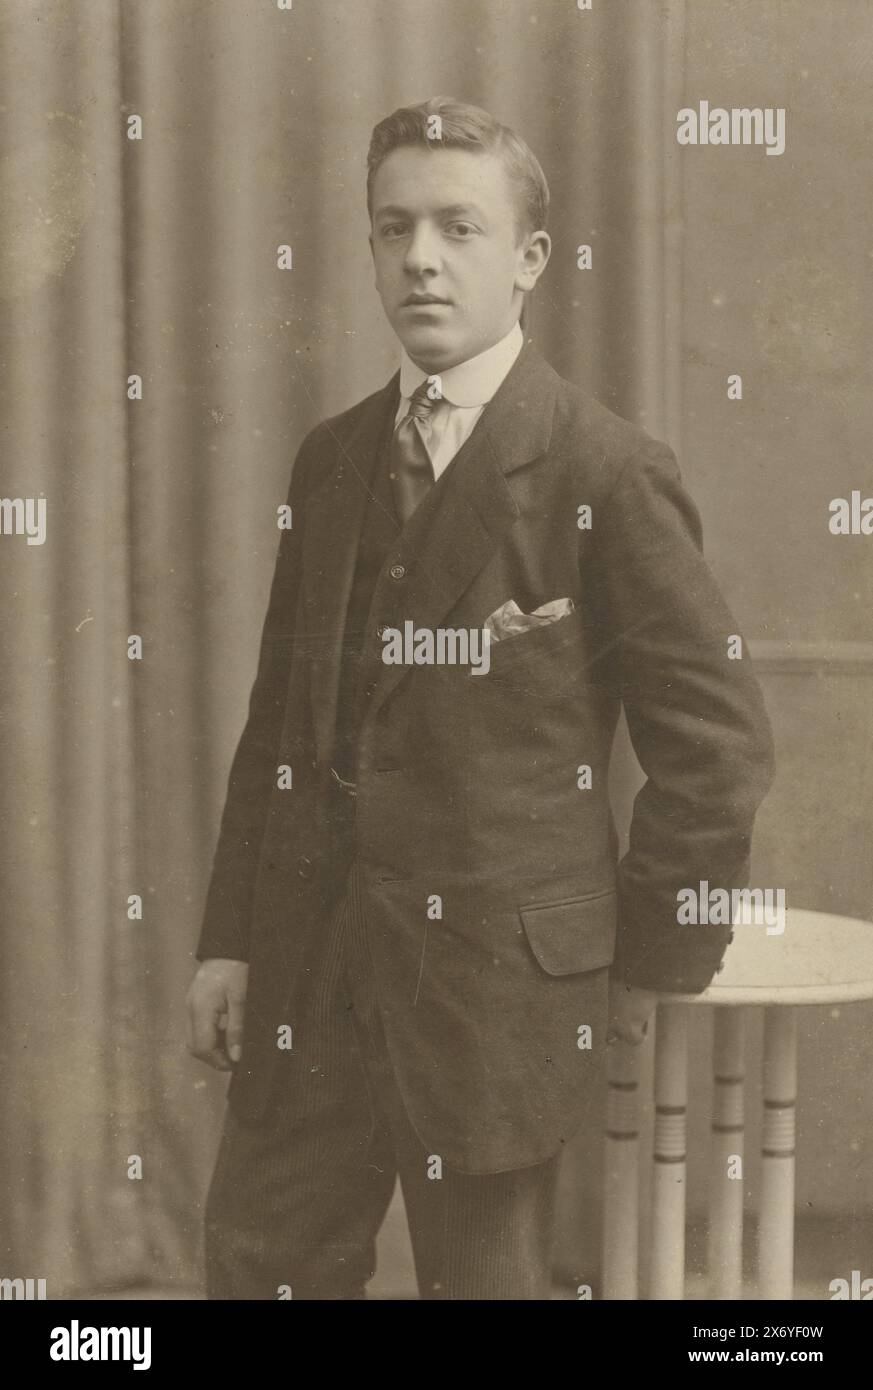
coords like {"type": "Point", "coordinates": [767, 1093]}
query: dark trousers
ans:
{"type": "Point", "coordinates": [296, 1201]}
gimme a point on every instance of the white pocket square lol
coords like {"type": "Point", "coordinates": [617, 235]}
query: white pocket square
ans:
{"type": "Point", "coordinates": [508, 620]}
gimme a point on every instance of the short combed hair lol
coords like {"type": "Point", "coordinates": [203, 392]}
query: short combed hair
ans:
{"type": "Point", "coordinates": [465, 127]}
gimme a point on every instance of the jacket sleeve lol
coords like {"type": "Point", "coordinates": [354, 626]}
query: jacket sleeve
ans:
{"type": "Point", "coordinates": [225, 930]}
{"type": "Point", "coordinates": [696, 719]}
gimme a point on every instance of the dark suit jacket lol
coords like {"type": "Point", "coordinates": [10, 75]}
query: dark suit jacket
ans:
{"type": "Point", "coordinates": [468, 784]}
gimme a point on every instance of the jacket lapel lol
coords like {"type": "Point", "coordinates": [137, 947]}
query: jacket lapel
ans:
{"type": "Point", "coordinates": [457, 529]}
{"type": "Point", "coordinates": [334, 519]}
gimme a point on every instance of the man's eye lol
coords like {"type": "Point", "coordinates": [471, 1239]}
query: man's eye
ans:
{"type": "Point", "coordinates": [463, 229]}
{"type": "Point", "coordinates": [393, 230]}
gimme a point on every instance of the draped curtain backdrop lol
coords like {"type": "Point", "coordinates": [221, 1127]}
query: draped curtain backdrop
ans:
{"type": "Point", "coordinates": [157, 257]}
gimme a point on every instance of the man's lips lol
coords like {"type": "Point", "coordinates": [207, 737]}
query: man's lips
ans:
{"type": "Point", "coordinates": [421, 300]}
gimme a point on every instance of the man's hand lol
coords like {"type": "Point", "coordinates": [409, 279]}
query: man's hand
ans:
{"type": "Point", "coordinates": [216, 1007]}
{"type": "Point", "coordinates": [629, 1012]}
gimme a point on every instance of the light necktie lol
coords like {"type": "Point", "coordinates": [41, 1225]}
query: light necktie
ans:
{"type": "Point", "coordinates": [411, 468]}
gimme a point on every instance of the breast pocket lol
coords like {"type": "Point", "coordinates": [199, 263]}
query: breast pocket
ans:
{"type": "Point", "coordinates": [572, 935]}
{"type": "Point", "coordinates": [535, 657]}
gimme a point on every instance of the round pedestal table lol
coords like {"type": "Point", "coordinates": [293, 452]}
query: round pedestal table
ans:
{"type": "Point", "coordinates": [818, 959]}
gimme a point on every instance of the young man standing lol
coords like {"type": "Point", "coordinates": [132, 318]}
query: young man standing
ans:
{"type": "Point", "coordinates": [416, 900]}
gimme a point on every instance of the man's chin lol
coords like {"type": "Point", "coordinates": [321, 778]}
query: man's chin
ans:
{"type": "Point", "coordinates": [433, 351]}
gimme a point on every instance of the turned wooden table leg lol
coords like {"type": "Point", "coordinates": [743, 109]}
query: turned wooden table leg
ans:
{"type": "Point", "coordinates": [622, 1159]}
{"type": "Point", "coordinates": [776, 1221]}
{"type": "Point", "coordinates": [667, 1274]}
{"type": "Point", "coordinates": [725, 1238]}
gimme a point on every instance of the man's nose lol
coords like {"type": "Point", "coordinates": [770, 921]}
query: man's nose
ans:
{"type": "Point", "coordinates": [422, 253]}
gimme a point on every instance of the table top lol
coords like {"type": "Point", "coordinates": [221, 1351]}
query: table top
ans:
{"type": "Point", "coordinates": [818, 959]}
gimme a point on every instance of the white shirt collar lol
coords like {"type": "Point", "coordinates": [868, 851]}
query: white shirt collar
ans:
{"type": "Point", "coordinates": [470, 383]}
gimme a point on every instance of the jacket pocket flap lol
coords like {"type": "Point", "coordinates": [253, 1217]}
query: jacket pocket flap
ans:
{"type": "Point", "coordinates": [573, 935]}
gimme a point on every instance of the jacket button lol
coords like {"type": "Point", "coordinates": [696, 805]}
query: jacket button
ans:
{"type": "Point", "coordinates": [397, 571]}
{"type": "Point", "coordinates": [305, 867]}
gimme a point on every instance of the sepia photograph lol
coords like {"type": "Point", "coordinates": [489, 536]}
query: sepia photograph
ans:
{"type": "Point", "coordinates": [437, 793]}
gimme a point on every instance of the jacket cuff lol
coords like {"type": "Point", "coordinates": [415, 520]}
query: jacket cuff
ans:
{"type": "Point", "coordinates": [221, 935]}
{"type": "Point", "coordinates": [672, 968]}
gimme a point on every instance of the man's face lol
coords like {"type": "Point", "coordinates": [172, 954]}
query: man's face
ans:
{"type": "Point", "coordinates": [449, 271]}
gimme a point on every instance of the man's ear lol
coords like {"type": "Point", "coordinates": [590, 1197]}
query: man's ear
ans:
{"type": "Point", "coordinates": [533, 257]}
